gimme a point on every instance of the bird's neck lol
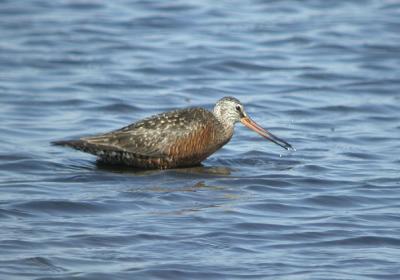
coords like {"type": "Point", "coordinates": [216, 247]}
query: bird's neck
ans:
{"type": "Point", "coordinates": [227, 125]}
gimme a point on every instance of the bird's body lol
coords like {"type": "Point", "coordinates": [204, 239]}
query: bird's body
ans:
{"type": "Point", "coordinates": [173, 139]}
{"type": "Point", "coordinates": [178, 138]}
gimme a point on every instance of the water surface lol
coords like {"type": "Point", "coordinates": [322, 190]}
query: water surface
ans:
{"type": "Point", "coordinates": [323, 75]}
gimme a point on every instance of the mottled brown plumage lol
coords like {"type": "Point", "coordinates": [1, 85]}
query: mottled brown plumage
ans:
{"type": "Point", "coordinates": [174, 139]}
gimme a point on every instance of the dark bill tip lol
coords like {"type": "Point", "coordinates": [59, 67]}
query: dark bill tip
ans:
{"type": "Point", "coordinates": [265, 133]}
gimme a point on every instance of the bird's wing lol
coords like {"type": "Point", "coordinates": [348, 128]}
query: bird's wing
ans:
{"type": "Point", "coordinates": [178, 132]}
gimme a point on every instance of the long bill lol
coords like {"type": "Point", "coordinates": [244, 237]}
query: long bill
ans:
{"type": "Point", "coordinates": [264, 133]}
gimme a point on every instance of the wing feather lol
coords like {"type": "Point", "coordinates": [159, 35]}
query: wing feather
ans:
{"type": "Point", "coordinates": [181, 132]}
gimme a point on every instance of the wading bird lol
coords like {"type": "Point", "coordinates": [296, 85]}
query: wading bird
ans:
{"type": "Point", "coordinates": [179, 138]}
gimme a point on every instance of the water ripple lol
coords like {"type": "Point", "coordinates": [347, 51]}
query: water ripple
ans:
{"type": "Point", "coordinates": [322, 75]}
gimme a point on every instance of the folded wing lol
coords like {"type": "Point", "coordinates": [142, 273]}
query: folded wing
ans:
{"type": "Point", "coordinates": [183, 133]}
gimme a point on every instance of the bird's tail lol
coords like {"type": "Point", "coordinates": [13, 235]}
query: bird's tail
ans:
{"type": "Point", "coordinates": [85, 146]}
{"type": "Point", "coordinates": [76, 144]}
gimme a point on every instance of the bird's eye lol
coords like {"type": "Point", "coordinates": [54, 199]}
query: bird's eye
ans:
{"type": "Point", "coordinates": [238, 108]}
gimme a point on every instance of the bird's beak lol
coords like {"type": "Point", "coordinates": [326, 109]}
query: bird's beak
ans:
{"type": "Point", "coordinates": [264, 133]}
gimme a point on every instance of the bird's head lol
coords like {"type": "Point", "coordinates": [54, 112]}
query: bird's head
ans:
{"type": "Point", "coordinates": [230, 110]}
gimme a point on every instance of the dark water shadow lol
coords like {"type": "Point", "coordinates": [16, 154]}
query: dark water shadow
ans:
{"type": "Point", "coordinates": [199, 170]}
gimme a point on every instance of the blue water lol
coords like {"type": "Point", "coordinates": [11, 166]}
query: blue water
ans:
{"type": "Point", "coordinates": [323, 75]}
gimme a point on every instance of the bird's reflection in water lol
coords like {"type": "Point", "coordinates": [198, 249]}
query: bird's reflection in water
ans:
{"type": "Point", "coordinates": [184, 211]}
{"type": "Point", "coordinates": [192, 187]}
{"type": "Point", "coordinates": [221, 199]}
{"type": "Point", "coordinates": [200, 169]}
{"type": "Point", "coordinates": [212, 170]}
{"type": "Point", "coordinates": [173, 185]}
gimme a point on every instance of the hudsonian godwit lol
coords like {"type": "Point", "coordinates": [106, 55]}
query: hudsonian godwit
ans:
{"type": "Point", "coordinates": [178, 138]}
